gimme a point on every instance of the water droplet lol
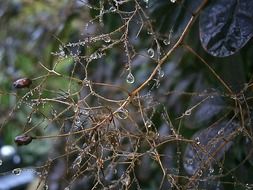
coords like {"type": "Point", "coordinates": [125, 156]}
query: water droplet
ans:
{"type": "Point", "coordinates": [86, 26]}
{"type": "Point", "coordinates": [145, 1]}
{"type": "Point", "coordinates": [93, 56]}
{"type": "Point", "coordinates": [148, 123]}
{"type": "Point", "coordinates": [221, 132]}
{"type": "Point", "coordinates": [197, 140]}
{"type": "Point", "coordinates": [160, 73]}
{"type": "Point", "coordinates": [112, 9]}
{"type": "Point", "coordinates": [121, 113]}
{"type": "Point", "coordinates": [211, 170]}
{"type": "Point", "coordinates": [125, 179]}
{"type": "Point", "coordinates": [188, 112]}
{"type": "Point", "coordinates": [77, 161]}
{"type": "Point", "coordinates": [248, 186]}
{"type": "Point", "coordinates": [66, 188]}
{"type": "Point", "coordinates": [29, 120]}
{"type": "Point", "coordinates": [151, 52]}
{"type": "Point", "coordinates": [130, 78]}
{"type": "Point", "coordinates": [173, 1]}
{"type": "Point", "coordinates": [189, 161]}
{"type": "Point", "coordinates": [107, 39]}
{"type": "Point", "coordinates": [166, 41]}
{"type": "Point", "coordinates": [240, 129]}
{"type": "Point", "coordinates": [17, 171]}
{"type": "Point", "coordinates": [200, 173]}
{"type": "Point", "coordinates": [1, 162]}
{"type": "Point", "coordinates": [45, 187]}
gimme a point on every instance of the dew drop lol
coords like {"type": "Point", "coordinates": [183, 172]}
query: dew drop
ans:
{"type": "Point", "coordinates": [121, 113]}
{"type": "Point", "coordinates": [160, 73]}
{"type": "Point", "coordinates": [78, 160]}
{"type": "Point", "coordinates": [45, 187]}
{"type": "Point", "coordinates": [248, 186]}
{"type": "Point", "coordinates": [197, 140]}
{"type": "Point", "coordinates": [130, 78]}
{"type": "Point", "coordinates": [1, 162]}
{"type": "Point", "coordinates": [189, 161]}
{"type": "Point", "coordinates": [107, 39]}
{"type": "Point", "coordinates": [86, 26]}
{"type": "Point", "coordinates": [66, 188]}
{"type": "Point", "coordinates": [173, 1]}
{"type": "Point", "coordinates": [112, 9]}
{"type": "Point", "coordinates": [148, 123]}
{"type": "Point", "coordinates": [200, 173]}
{"type": "Point", "coordinates": [93, 56]}
{"type": "Point", "coordinates": [17, 171]}
{"type": "Point", "coordinates": [166, 41]}
{"type": "Point", "coordinates": [29, 119]}
{"type": "Point", "coordinates": [188, 112]}
{"type": "Point", "coordinates": [151, 52]}
{"type": "Point", "coordinates": [221, 132]}
{"type": "Point", "coordinates": [211, 170]}
{"type": "Point", "coordinates": [126, 180]}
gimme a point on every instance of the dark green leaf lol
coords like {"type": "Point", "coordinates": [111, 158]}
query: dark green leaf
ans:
{"type": "Point", "coordinates": [226, 26]}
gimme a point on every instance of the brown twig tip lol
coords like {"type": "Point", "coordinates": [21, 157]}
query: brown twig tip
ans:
{"type": "Point", "coordinates": [22, 83]}
{"type": "Point", "coordinates": [23, 140]}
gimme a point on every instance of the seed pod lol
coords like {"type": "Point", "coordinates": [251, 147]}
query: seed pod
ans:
{"type": "Point", "coordinates": [23, 140]}
{"type": "Point", "coordinates": [22, 83]}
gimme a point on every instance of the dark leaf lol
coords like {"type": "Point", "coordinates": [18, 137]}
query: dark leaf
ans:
{"type": "Point", "coordinates": [226, 26]}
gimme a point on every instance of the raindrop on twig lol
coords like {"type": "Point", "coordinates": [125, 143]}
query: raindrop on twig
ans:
{"type": "Point", "coordinates": [151, 52]}
{"type": "Point", "coordinates": [17, 171]}
{"type": "Point", "coordinates": [121, 113]}
{"type": "Point", "coordinates": [197, 140]}
{"type": "Point", "coordinates": [130, 78]}
{"type": "Point", "coordinates": [148, 123]}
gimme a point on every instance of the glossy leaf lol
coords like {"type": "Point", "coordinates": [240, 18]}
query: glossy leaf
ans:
{"type": "Point", "coordinates": [226, 26]}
